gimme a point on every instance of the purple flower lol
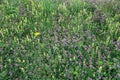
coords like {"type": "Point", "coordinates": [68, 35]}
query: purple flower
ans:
{"type": "Point", "coordinates": [90, 79]}
{"type": "Point", "coordinates": [10, 73]}
{"type": "Point", "coordinates": [91, 64]}
{"type": "Point", "coordinates": [14, 51]}
{"type": "Point", "coordinates": [81, 56]}
{"type": "Point", "coordinates": [16, 65]}
{"type": "Point", "coordinates": [75, 40]}
{"type": "Point", "coordinates": [87, 48]}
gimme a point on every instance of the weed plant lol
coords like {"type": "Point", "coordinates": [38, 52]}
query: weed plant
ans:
{"type": "Point", "coordinates": [59, 40]}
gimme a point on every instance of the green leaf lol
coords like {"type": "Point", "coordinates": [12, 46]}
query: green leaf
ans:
{"type": "Point", "coordinates": [3, 74]}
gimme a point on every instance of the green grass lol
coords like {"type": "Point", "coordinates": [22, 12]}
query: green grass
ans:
{"type": "Point", "coordinates": [59, 40]}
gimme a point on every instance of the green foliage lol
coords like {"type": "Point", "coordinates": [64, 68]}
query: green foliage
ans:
{"type": "Point", "coordinates": [59, 40]}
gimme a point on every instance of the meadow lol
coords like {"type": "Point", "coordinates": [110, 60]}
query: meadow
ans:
{"type": "Point", "coordinates": [59, 40]}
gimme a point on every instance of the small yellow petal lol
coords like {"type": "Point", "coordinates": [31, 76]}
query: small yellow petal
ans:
{"type": "Point", "coordinates": [100, 68]}
{"type": "Point", "coordinates": [18, 59]}
{"type": "Point", "coordinates": [37, 33]}
{"type": "Point", "coordinates": [22, 69]}
{"type": "Point", "coordinates": [23, 61]}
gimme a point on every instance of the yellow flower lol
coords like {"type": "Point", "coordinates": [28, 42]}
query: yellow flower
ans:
{"type": "Point", "coordinates": [1, 31]}
{"type": "Point", "coordinates": [37, 33]}
{"type": "Point", "coordinates": [18, 59]}
{"type": "Point", "coordinates": [100, 68]}
{"type": "Point", "coordinates": [23, 61]}
{"type": "Point", "coordinates": [22, 69]}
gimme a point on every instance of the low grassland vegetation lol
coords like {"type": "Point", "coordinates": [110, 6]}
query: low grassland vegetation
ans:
{"type": "Point", "coordinates": [59, 40]}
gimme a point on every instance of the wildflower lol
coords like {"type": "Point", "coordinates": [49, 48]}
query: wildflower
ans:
{"type": "Point", "coordinates": [37, 33]}
{"type": "Point", "coordinates": [22, 69]}
{"type": "Point", "coordinates": [84, 62]}
{"type": "Point", "coordinates": [10, 73]}
{"type": "Point", "coordinates": [18, 60]}
{"type": "Point", "coordinates": [14, 51]}
{"type": "Point", "coordinates": [90, 78]}
{"type": "Point", "coordinates": [91, 64]}
{"type": "Point", "coordinates": [100, 68]}
{"type": "Point", "coordinates": [81, 56]}
{"type": "Point", "coordinates": [16, 64]}
{"type": "Point", "coordinates": [23, 61]}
